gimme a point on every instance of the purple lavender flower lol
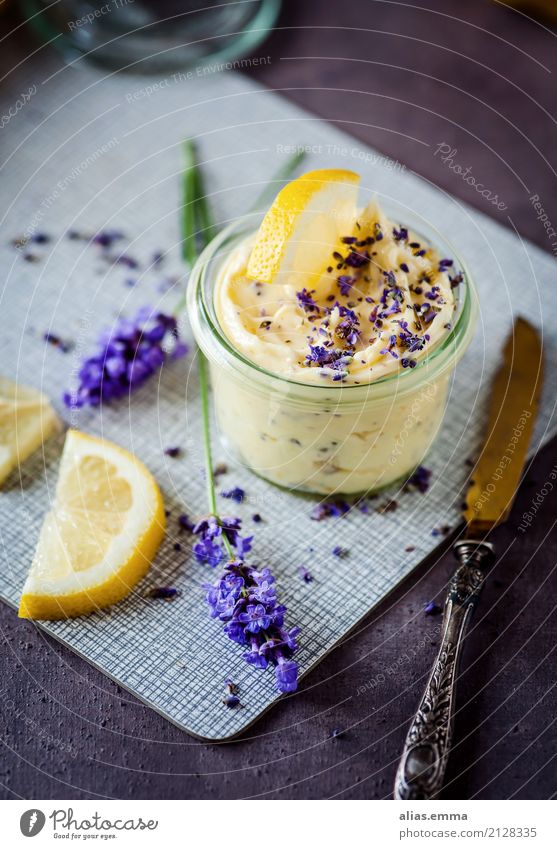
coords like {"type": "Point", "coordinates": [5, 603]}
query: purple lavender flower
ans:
{"type": "Point", "coordinates": [237, 494]}
{"type": "Point", "coordinates": [209, 549]}
{"type": "Point", "coordinates": [185, 522]}
{"type": "Point", "coordinates": [287, 675]}
{"type": "Point", "coordinates": [306, 301]}
{"type": "Point", "coordinates": [409, 340]}
{"type": "Point", "coordinates": [244, 598]}
{"type": "Point", "coordinates": [106, 238]}
{"type": "Point", "coordinates": [333, 358]}
{"type": "Point", "coordinates": [349, 331]}
{"type": "Point", "coordinates": [356, 259]}
{"type": "Point", "coordinates": [400, 235]}
{"type": "Point", "coordinates": [305, 575]}
{"type": "Point", "coordinates": [255, 618]}
{"type": "Point", "coordinates": [325, 509]}
{"type": "Point", "coordinates": [63, 345]}
{"type": "Point", "coordinates": [255, 657]}
{"type": "Point", "coordinates": [127, 355]}
{"type": "Point", "coordinates": [345, 283]}
{"type": "Point", "coordinates": [173, 451]}
{"type": "Point", "coordinates": [164, 592]}
{"type": "Point", "coordinates": [420, 479]}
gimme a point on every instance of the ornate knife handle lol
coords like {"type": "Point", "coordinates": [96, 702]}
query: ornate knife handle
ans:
{"type": "Point", "coordinates": [426, 751]}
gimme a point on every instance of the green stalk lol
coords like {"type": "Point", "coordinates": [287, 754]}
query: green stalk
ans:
{"type": "Point", "coordinates": [211, 493]}
{"type": "Point", "coordinates": [189, 201]}
{"type": "Point", "coordinates": [198, 228]}
{"type": "Point", "coordinates": [206, 228]}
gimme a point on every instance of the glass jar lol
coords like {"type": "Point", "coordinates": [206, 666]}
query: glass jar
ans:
{"type": "Point", "coordinates": [335, 438]}
{"type": "Point", "coordinates": [156, 36]}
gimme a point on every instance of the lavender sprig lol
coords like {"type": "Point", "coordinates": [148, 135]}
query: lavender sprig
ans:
{"type": "Point", "coordinates": [127, 354]}
{"type": "Point", "coordinates": [242, 597]}
{"type": "Point", "coordinates": [245, 599]}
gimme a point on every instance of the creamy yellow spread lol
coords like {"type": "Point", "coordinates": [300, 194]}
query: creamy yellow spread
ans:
{"type": "Point", "coordinates": [384, 301]}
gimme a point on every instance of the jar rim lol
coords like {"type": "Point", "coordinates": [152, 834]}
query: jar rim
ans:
{"type": "Point", "coordinates": [453, 345]}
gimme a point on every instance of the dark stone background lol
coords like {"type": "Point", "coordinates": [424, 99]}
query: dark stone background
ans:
{"type": "Point", "coordinates": [454, 73]}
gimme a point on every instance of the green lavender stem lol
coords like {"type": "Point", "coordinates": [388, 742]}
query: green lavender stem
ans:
{"type": "Point", "coordinates": [189, 200]}
{"type": "Point", "coordinates": [208, 451]}
{"type": "Point", "coordinates": [198, 229]}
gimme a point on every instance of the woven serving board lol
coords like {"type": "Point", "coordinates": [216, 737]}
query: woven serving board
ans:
{"type": "Point", "coordinates": [87, 153]}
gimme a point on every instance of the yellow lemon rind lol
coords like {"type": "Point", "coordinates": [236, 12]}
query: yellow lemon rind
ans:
{"type": "Point", "coordinates": [280, 221]}
{"type": "Point", "coordinates": [117, 587]}
{"type": "Point", "coordinates": [120, 583]}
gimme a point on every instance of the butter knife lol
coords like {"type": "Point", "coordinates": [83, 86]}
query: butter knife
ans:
{"type": "Point", "coordinates": [494, 480]}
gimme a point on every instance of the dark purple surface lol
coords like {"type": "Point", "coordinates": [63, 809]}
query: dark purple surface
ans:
{"type": "Point", "coordinates": [369, 686]}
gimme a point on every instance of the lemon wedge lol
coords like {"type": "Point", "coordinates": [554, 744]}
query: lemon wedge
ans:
{"type": "Point", "coordinates": [100, 536]}
{"type": "Point", "coordinates": [304, 226]}
{"type": "Point", "coordinates": [26, 421]}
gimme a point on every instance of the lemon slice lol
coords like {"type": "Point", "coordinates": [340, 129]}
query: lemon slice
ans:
{"type": "Point", "coordinates": [26, 421]}
{"type": "Point", "coordinates": [304, 226]}
{"type": "Point", "coordinates": [99, 539]}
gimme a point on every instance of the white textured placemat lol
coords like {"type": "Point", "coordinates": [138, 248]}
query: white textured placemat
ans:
{"type": "Point", "coordinates": [88, 153]}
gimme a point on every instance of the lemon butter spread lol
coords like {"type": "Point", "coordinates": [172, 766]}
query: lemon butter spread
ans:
{"type": "Point", "coordinates": [383, 301]}
{"type": "Point", "coordinates": [342, 326]}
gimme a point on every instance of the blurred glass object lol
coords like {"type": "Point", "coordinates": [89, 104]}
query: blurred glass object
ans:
{"type": "Point", "coordinates": [146, 36]}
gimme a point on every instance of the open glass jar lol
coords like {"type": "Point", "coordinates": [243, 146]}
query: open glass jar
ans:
{"type": "Point", "coordinates": [335, 438]}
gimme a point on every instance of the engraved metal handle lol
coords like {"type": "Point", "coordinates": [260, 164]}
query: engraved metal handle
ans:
{"type": "Point", "coordinates": [426, 751]}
